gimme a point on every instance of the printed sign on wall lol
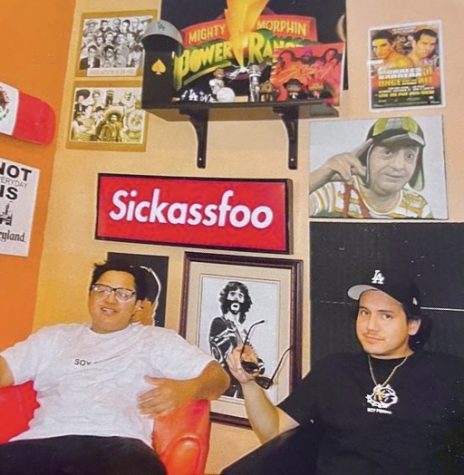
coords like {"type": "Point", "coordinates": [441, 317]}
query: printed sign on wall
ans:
{"type": "Point", "coordinates": [223, 214]}
{"type": "Point", "coordinates": [406, 66]}
{"type": "Point", "coordinates": [18, 190]}
{"type": "Point", "coordinates": [230, 43]}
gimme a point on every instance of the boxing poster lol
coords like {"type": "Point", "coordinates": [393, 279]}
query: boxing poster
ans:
{"type": "Point", "coordinates": [406, 66]}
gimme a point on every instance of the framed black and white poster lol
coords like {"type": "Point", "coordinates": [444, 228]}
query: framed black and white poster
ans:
{"type": "Point", "coordinates": [229, 300]}
{"type": "Point", "coordinates": [110, 43]}
{"type": "Point", "coordinates": [153, 311]}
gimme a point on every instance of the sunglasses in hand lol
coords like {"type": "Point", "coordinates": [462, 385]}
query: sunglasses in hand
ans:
{"type": "Point", "coordinates": [252, 368]}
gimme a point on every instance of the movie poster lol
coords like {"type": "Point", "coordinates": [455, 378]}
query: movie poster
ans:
{"type": "Point", "coordinates": [309, 72]}
{"type": "Point", "coordinates": [18, 190]}
{"type": "Point", "coordinates": [406, 66]}
{"type": "Point", "coordinates": [228, 45]}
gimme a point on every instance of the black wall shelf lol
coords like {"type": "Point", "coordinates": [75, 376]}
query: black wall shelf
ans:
{"type": "Point", "coordinates": [199, 113]}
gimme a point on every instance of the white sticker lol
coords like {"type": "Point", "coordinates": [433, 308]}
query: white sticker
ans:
{"type": "Point", "coordinates": [9, 100]}
{"type": "Point", "coordinates": [18, 192]}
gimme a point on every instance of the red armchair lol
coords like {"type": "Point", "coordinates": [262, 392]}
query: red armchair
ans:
{"type": "Point", "coordinates": [181, 438]}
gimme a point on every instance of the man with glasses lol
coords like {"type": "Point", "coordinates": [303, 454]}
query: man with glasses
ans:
{"type": "Point", "coordinates": [379, 179]}
{"type": "Point", "coordinates": [98, 385]}
{"type": "Point", "coordinates": [391, 409]}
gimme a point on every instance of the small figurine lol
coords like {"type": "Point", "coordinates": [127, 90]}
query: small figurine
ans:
{"type": "Point", "coordinates": [220, 92]}
{"type": "Point", "coordinates": [217, 82]}
{"type": "Point", "coordinates": [294, 88]}
{"type": "Point", "coordinates": [254, 73]}
{"type": "Point", "coordinates": [267, 92]}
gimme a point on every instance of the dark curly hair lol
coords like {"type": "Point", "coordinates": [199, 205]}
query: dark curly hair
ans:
{"type": "Point", "coordinates": [235, 285]}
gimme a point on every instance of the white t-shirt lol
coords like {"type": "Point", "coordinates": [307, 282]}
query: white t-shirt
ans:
{"type": "Point", "coordinates": [87, 383]}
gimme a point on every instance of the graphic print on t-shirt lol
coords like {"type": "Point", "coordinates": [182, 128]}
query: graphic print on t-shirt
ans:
{"type": "Point", "coordinates": [381, 398]}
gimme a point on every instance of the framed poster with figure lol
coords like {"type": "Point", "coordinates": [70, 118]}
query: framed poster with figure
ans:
{"type": "Point", "coordinates": [107, 117]}
{"type": "Point", "coordinates": [231, 300]}
{"type": "Point", "coordinates": [153, 308]}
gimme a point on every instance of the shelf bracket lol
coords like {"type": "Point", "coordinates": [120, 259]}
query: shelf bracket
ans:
{"type": "Point", "coordinates": [199, 120]}
{"type": "Point", "coordinates": [289, 116]}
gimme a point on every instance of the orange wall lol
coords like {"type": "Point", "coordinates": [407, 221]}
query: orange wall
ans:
{"type": "Point", "coordinates": [34, 41]}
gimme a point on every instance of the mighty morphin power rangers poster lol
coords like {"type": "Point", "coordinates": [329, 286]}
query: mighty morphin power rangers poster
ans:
{"type": "Point", "coordinates": [238, 37]}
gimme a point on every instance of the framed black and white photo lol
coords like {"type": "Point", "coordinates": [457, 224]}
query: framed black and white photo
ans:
{"type": "Point", "coordinates": [226, 298]}
{"type": "Point", "coordinates": [107, 117]}
{"type": "Point", "coordinates": [110, 43]}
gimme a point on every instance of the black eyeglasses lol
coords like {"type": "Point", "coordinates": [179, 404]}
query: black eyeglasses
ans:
{"type": "Point", "coordinates": [264, 381]}
{"type": "Point", "coordinates": [121, 294]}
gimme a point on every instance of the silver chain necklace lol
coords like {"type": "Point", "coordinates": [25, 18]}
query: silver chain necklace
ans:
{"type": "Point", "coordinates": [383, 395]}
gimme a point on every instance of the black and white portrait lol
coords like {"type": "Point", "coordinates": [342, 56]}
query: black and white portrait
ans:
{"type": "Point", "coordinates": [107, 116]}
{"type": "Point", "coordinates": [153, 309]}
{"type": "Point", "coordinates": [230, 329]}
{"type": "Point", "coordinates": [228, 309]}
{"type": "Point", "coordinates": [111, 44]}
{"type": "Point", "coordinates": [228, 300]}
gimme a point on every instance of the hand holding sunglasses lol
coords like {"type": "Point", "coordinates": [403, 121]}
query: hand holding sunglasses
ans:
{"type": "Point", "coordinates": [252, 368]}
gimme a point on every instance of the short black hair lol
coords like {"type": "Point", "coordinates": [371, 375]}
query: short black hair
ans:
{"type": "Point", "coordinates": [121, 266]}
{"type": "Point", "coordinates": [424, 31]}
{"type": "Point", "coordinates": [383, 35]}
{"type": "Point", "coordinates": [417, 341]}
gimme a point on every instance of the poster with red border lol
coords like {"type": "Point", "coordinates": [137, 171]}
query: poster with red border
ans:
{"type": "Point", "coordinates": [406, 66]}
{"type": "Point", "coordinates": [242, 214]}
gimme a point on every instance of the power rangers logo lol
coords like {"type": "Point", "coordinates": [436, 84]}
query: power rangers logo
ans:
{"type": "Point", "coordinates": [244, 36]}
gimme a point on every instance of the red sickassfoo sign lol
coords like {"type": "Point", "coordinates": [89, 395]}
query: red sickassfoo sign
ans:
{"type": "Point", "coordinates": [240, 214]}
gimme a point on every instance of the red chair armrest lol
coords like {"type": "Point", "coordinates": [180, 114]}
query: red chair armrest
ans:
{"type": "Point", "coordinates": [17, 406]}
{"type": "Point", "coordinates": [181, 438]}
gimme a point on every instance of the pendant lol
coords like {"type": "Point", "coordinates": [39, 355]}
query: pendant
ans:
{"type": "Point", "coordinates": [382, 396]}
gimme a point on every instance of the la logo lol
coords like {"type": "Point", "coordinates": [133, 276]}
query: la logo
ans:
{"type": "Point", "coordinates": [378, 278]}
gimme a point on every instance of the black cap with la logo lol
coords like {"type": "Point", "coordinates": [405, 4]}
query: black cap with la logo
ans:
{"type": "Point", "coordinates": [396, 284]}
